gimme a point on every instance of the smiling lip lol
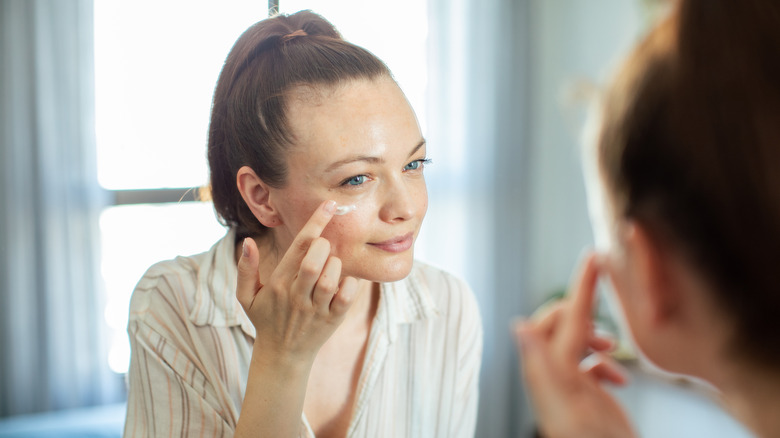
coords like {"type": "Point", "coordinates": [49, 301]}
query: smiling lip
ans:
{"type": "Point", "coordinates": [397, 244]}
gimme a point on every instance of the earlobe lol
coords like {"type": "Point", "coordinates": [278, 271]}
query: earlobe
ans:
{"type": "Point", "coordinates": [257, 195]}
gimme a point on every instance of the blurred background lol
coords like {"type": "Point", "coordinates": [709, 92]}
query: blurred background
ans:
{"type": "Point", "coordinates": [103, 120]}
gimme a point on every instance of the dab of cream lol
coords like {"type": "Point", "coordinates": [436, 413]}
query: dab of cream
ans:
{"type": "Point", "coordinates": [344, 209]}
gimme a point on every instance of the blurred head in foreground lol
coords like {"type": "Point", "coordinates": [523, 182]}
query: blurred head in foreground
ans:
{"type": "Point", "coordinates": [688, 155]}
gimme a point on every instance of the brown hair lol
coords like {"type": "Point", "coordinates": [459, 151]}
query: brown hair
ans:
{"type": "Point", "coordinates": [248, 123]}
{"type": "Point", "coordinates": [690, 148]}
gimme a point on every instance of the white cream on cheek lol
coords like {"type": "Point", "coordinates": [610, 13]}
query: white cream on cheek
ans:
{"type": "Point", "coordinates": [348, 234]}
{"type": "Point", "coordinates": [341, 210]}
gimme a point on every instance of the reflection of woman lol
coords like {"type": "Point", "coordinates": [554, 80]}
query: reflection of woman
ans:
{"type": "Point", "coordinates": [689, 158]}
{"type": "Point", "coordinates": [337, 331]}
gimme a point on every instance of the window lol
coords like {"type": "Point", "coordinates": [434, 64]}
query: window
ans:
{"type": "Point", "coordinates": [156, 65]}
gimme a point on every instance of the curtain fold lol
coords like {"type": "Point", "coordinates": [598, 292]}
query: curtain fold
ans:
{"type": "Point", "coordinates": [52, 330]}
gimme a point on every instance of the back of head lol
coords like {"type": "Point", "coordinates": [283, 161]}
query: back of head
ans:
{"type": "Point", "coordinates": [690, 148]}
{"type": "Point", "coordinates": [270, 60]}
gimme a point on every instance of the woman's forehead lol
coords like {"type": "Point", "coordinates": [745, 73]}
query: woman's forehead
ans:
{"type": "Point", "coordinates": [367, 117]}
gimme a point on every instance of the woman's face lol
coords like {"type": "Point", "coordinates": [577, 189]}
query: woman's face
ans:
{"type": "Point", "coordinates": [357, 144]}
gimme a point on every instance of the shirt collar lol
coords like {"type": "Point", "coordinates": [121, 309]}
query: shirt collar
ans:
{"type": "Point", "coordinates": [215, 300]}
{"type": "Point", "coordinates": [402, 302]}
{"type": "Point", "coordinates": [405, 302]}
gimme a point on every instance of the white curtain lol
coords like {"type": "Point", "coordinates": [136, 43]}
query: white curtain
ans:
{"type": "Point", "coordinates": [477, 120]}
{"type": "Point", "coordinates": [52, 331]}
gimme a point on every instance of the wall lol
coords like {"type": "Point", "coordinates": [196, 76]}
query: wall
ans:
{"type": "Point", "coordinates": [571, 41]}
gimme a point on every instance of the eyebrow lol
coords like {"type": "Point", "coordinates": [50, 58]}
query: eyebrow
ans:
{"type": "Point", "coordinates": [368, 159]}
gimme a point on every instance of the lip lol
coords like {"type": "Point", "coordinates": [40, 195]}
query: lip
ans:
{"type": "Point", "coordinates": [396, 244]}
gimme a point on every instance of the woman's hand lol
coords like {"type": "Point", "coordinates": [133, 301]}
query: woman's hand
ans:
{"type": "Point", "coordinates": [297, 309]}
{"type": "Point", "coordinates": [294, 313]}
{"type": "Point", "coordinates": [566, 391]}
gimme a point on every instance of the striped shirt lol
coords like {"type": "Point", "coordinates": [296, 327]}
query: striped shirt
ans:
{"type": "Point", "coordinates": [192, 342]}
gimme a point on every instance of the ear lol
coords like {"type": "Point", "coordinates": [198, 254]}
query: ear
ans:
{"type": "Point", "coordinates": [653, 278]}
{"type": "Point", "coordinates": [257, 196]}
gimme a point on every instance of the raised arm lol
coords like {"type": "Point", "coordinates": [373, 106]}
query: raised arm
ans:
{"type": "Point", "coordinates": [294, 312]}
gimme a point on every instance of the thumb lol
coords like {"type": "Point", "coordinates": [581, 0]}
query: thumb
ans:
{"type": "Point", "coordinates": [248, 282]}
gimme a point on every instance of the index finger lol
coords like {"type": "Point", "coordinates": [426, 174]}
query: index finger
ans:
{"type": "Point", "coordinates": [576, 324]}
{"type": "Point", "coordinates": [310, 231]}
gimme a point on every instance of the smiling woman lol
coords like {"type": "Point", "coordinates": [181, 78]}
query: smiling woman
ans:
{"type": "Point", "coordinates": [152, 215]}
{"type": "Point", "coordinates": [301, 322]}
{"type": "Point", "coordinates": [358, 143]}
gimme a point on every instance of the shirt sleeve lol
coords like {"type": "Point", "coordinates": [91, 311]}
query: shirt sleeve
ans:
{"type": "Point", "coordinates": [168, 391]}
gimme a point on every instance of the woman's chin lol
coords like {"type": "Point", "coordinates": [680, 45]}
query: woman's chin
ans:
{"type": "Point", "coordinates": [386, 272]}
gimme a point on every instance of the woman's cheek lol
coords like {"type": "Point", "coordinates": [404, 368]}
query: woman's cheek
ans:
{"type": "Point", "coordinates": [343, 231]}
{"type": "Point", "coordinates": [424, 208]}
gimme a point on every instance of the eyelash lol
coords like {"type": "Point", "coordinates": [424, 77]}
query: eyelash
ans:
{"type": "Point", "coordinates": [423, 162]}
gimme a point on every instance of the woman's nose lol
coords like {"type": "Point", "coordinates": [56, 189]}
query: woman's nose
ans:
{"type": "Point", "coordinates": [402, 200]}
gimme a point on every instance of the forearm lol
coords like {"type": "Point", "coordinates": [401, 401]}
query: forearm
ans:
{"type": "Point", "coordinates": [275, 393]}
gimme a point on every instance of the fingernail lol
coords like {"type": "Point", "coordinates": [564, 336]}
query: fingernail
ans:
{"type": "Point", "coordinates": [330, 206]}
{"type": "Point", "coordinates": [244, 249]}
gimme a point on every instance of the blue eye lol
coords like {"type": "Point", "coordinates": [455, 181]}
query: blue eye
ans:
{"type": "Point", "coordinates": [416, 164]}
{"type": "Point", "coordinates": [355, 180]}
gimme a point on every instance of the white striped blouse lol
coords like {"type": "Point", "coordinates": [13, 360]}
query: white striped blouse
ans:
{"type": "Point", "coordinates": [191, 345]}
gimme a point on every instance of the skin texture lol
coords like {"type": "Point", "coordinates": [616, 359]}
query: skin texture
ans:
{"type": "Point", "coordinates": [310, 285]}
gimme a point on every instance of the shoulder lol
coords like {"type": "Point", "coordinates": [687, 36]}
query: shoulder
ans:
{"type": "Point", "coordinates": [169, 284]}
{"type": "Point", "coordinates": [200, 288]}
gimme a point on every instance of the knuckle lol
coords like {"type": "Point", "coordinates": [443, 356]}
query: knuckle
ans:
{"type": "Point", "coordinates": [275, 287]}
{"type": "Point", "coordinates": [244, 268]}
{"type": "Point", "coordinates": [309, 269]}
{"type": "Point", "coordinates": [303, 244]}
{"type": "Point", "coordinates": [340, 302]}
{"type": "Point", "coordinates": [327, 284]}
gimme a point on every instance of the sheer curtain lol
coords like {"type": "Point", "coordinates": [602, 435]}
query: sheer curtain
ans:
{"type": "Point", "coordinates": [52, 334]}
{"type": "Point", "coordinates": [479, 182]}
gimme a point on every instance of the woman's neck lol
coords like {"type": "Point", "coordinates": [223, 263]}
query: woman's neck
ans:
{"type": "Point", "coordinates": [752, 395]}
{"type": "Point", "coordinates": [363, 310]}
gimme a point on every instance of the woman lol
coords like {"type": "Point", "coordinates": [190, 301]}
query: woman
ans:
{"type": "Point", "coordinates": [689, 162]}
{"type": "Point", "coordinates": [301, 322]}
